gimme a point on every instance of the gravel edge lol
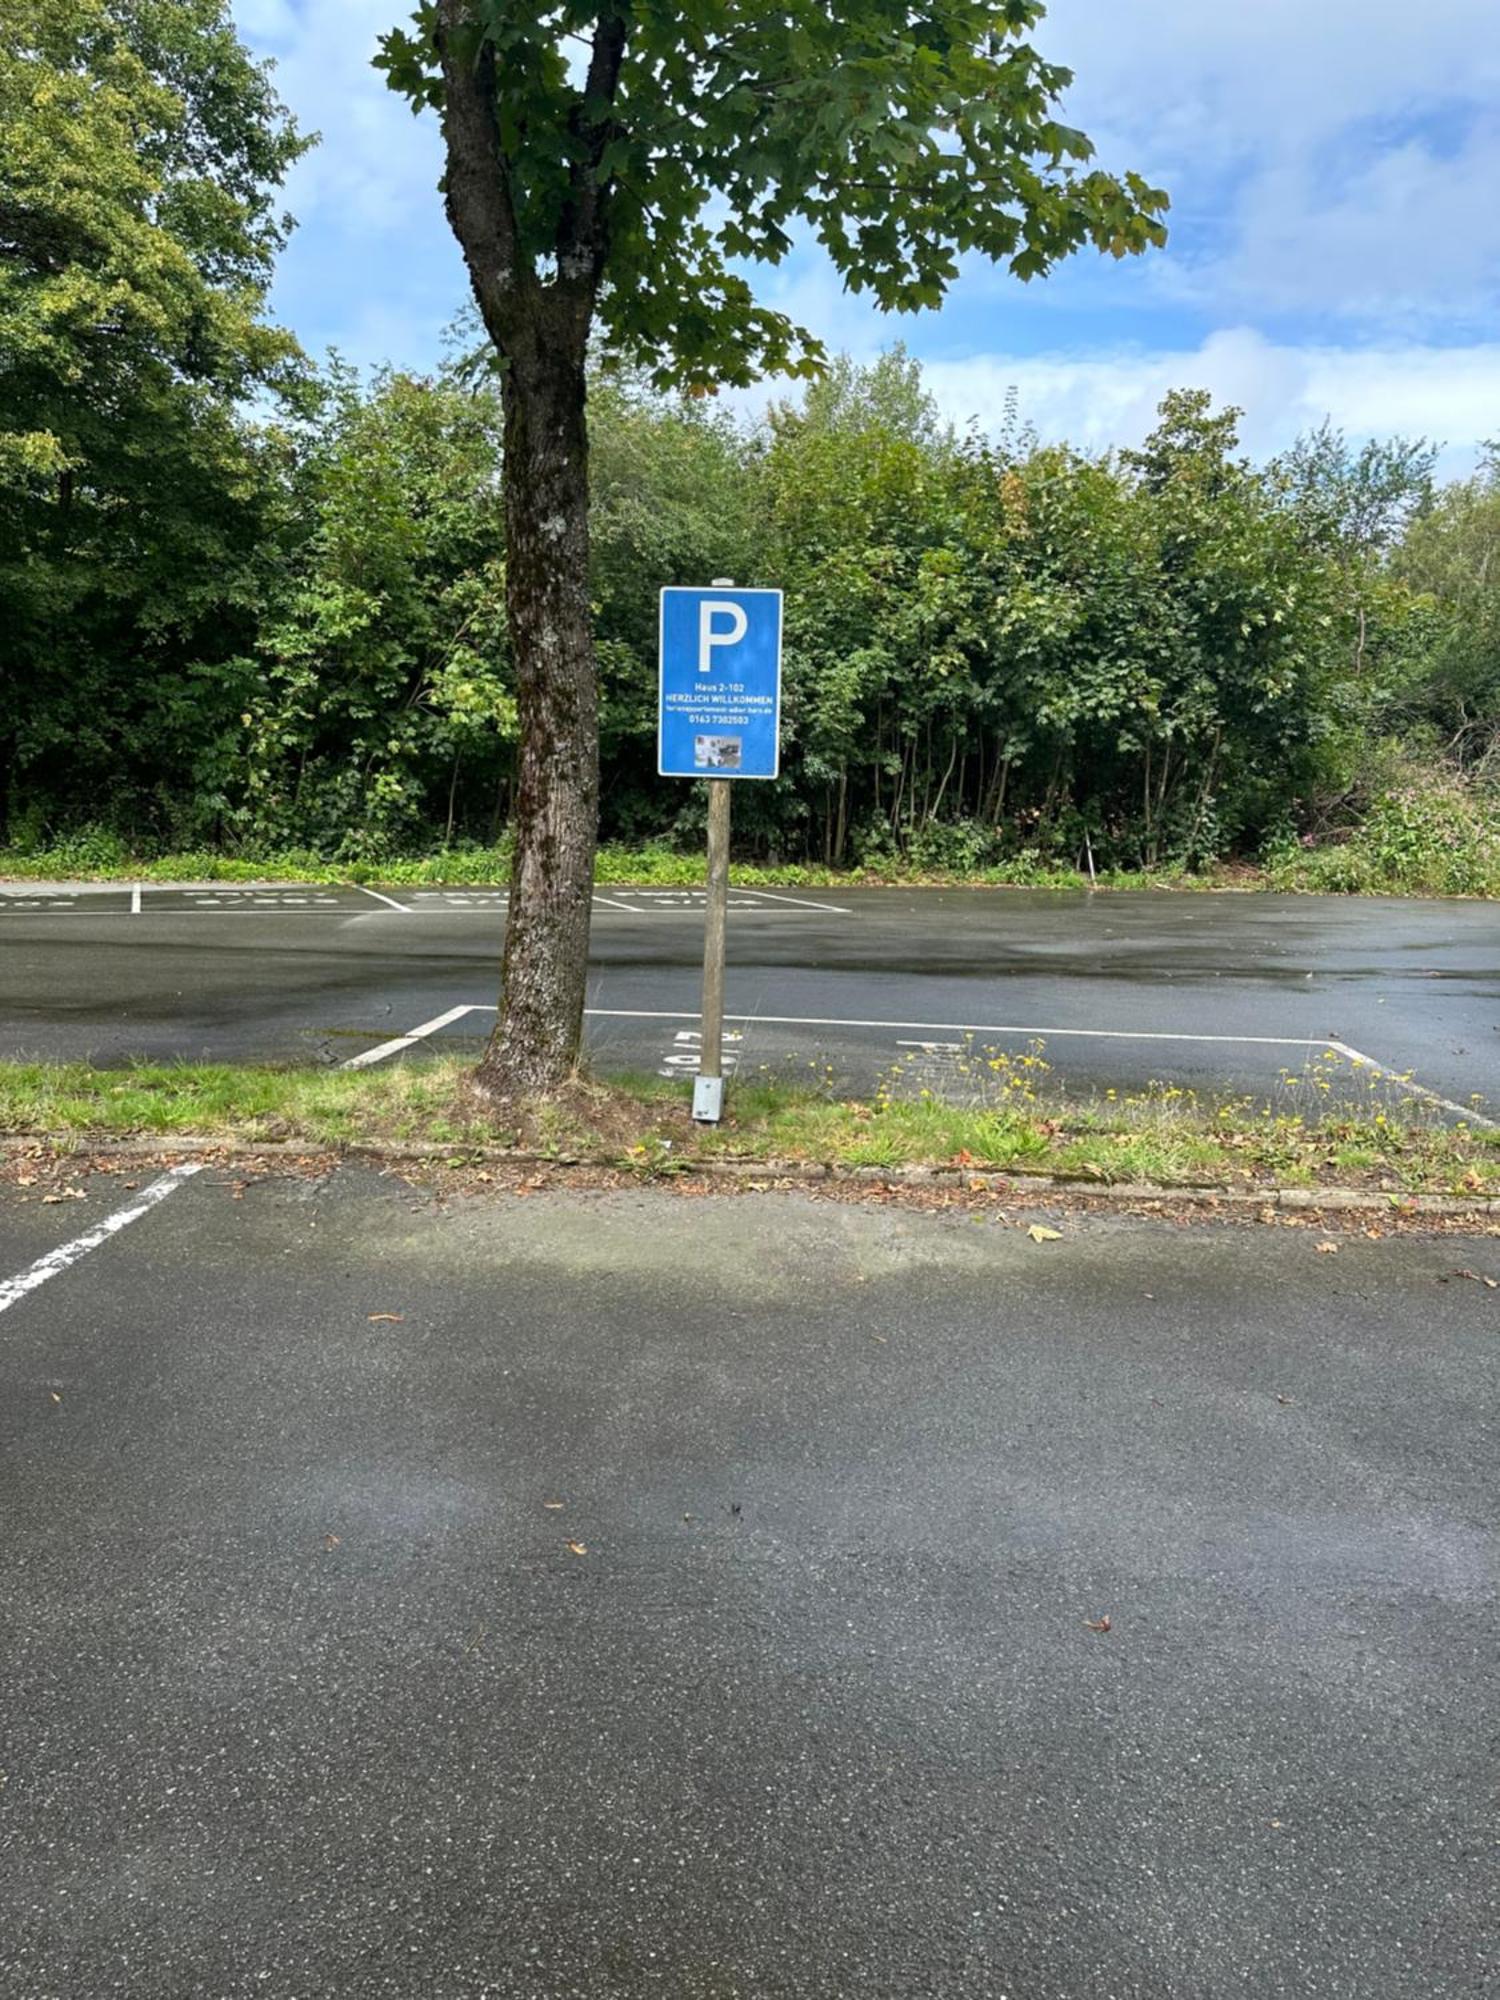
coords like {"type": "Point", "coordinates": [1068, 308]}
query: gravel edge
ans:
{"type": "Point", "coordinates": [1019, 1186]}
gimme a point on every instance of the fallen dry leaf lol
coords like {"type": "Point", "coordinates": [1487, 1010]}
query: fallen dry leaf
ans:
{"type": "Point", "coordinates": [1327, 1249]}
{"type": "Point", "coordinates": [1282, 1399]}
{"type": "Point", "coordinates": [1099, 1624]}
{"type": "Point", "coordinates": [330, 1541]}
{"type": "Point", "coordinates": [552, 1505]}
{"type": "Point", "coordinates": [1040, 1233]}
{"type": "Point", "coordinates": [55, 1397]}
{"type": "Point", "coordinates": [1479, 1278]}
{"type": "Point", "coordinates": [394, 1318]}
{"type": "Point", "coordinates": [576, 1548]}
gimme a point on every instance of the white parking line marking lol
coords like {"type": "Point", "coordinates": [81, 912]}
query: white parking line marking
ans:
{"type": "Point", "coordinates": [14, 1289]}
{"type": "Point", "coordinates": [801, 902]}
{"type": "Point", "coordinates": [683, 1057]}
{"type": "Point", "coordinates": [411, 1037]}
{"type": "Point", "coordinates": [1470, 1115]}
{"type": "Point", "coordinates": [1352, 1055]}
{"type": "Point", "coordinates": [424, 902]}
{"type": "Point", "coordinates": [967, 1028]}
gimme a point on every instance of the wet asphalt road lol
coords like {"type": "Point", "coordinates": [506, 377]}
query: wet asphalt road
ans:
{"type": "Point", "coordinates": [306, 1695]}
{"type": "Point", "coordinates": [1210, 991]}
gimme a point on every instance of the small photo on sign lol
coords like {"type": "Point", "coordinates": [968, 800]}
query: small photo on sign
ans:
{"type": "Point", "coordinates": [716, 753]}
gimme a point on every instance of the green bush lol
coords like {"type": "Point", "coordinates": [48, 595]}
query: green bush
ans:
{"type": "Point", "coordinates": [1437, 836]}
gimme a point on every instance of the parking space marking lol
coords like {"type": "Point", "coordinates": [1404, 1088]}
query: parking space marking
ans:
{"type": "Point", "coordinates": [778, 897]}
{"type": "Point", "coordinates": [974, 1028]}
{"type": "Point", "coordinates": [314, 900]}
{"type": "Point", "coordinates": [426, 901]}
{"type": "Point", "coordinates": [691, 901]}
{"type": "Point", "coordinates": [933, 1028]}
{"type": "Point", "coordinates": [683, 1056]}
{"type": "Point", "coordinates": [944, 1052]}
{"type": "Point", "coordinates": [410, 1038]}
{"type": "Point", "coordinates": [1466, 1112]}
{"type": "Point", "coordinates": [152, 900]}
{"type": "Point", "coordinates": [930, 1063]}
{"type": "Point", "coordinates": [14, 1289]}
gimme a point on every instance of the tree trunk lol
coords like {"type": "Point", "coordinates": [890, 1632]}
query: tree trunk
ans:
{"type": "Point", "coordinates": [937, 804]}
{"type": "Point", "coordinates": [538, 1036]}
{"type": "Point", "coordinates": [1002, 781]}
{"type": "Point", "coordinates": [540, 328]}
{"type": "Point", "coordinates": [452, 798]}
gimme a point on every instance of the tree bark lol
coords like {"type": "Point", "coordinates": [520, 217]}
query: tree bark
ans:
{"type": "Point", "coordinates": [540, 328]}
{"type": "Point", "coordinates": [536, 1043]}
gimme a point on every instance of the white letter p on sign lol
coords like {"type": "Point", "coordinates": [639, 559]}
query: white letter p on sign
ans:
{"type": "Point", "coordinates": [708, 638]}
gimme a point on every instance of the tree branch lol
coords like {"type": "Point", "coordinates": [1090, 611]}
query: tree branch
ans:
{"type": "Point", "coordinates": [582, 234]}
{"type": "Point", "coordinates": [477, 187]}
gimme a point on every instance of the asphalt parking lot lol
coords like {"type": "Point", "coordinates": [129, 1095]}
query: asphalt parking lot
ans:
{"type": "Point", "coordinates": [1215, 992]}
{"type": "Point", "coordinates": [560, 1594]}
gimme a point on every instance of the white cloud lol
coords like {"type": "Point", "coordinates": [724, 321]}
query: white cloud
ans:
{"type": "Point", "coordinates": [376, 168]}
{"type": "Point", "coordinates": [1308, 145]}
{"type": "Point", "coordinates": [1412, 237]}
{"type": "Point", "coordinates": [1096, 400]}
{"type": "Point", "coordinates": [1205, 80]}
{"type": "Point", "coordinates": [1333, 165]}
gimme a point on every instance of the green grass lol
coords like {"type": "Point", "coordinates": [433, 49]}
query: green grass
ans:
{"type": "Point", "coordinates": [225, 1100]}
{"type": "Point", "coordinates": [1329, 871]}
{"type": "Point", "coordinates": [103, 858]}
{"type": "Point", "coordinates": [1421, 839]}
{"type": "Point", "coordinates": [1295, 1138]}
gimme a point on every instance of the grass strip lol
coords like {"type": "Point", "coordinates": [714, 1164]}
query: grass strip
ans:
{"type": "Point", "coordinates": [1300, 1136]}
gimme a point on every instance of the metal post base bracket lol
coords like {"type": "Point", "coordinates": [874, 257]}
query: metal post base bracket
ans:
{"type": "Point", "coordinates": [708, 1099]}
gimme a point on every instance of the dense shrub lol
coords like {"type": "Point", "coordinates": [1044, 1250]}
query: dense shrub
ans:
{"type": "Point", "coordinates": [1000, 656]}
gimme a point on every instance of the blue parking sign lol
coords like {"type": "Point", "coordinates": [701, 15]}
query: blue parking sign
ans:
{"type": "Point", "coordinates": [719, 711]}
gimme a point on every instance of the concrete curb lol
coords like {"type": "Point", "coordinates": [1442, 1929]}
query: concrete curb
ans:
{"type": "Point", "coordinates": [1018, 1187]}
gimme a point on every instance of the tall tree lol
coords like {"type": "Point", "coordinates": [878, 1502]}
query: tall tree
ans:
{"type": "Point", "coordinates": [611, 164]}
{"type": "Point", "coordinates": [1452, 555]}
{"type": "Point", "coordinates": [141, 151]}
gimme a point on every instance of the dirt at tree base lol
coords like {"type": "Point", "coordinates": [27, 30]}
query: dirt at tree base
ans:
{"type": "Point", "coordinates": [585, 1115]}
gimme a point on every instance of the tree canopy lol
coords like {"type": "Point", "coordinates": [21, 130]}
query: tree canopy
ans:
{"type": "Point", "coordinates": [140, 154]}
{"type": "Point", "coordinates": [671, 143]}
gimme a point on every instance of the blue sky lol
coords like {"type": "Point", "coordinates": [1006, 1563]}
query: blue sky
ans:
{"type": "Point", "coordinates": [1335, 173]}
